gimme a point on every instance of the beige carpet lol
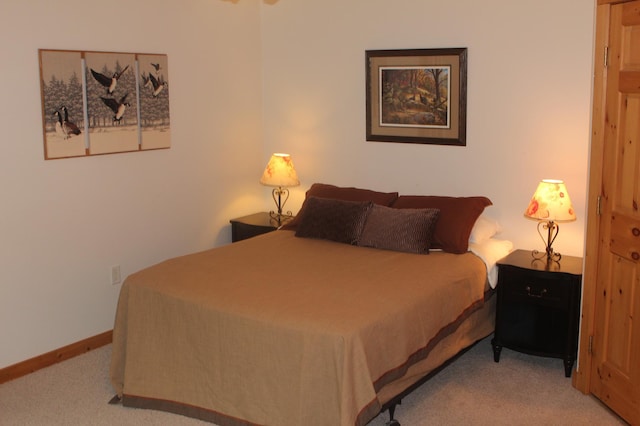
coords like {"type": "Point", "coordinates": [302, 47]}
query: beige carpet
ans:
{"type": "Point", "coordinates": [520, 390]}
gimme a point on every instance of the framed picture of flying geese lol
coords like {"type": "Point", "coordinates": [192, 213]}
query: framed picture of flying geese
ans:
{"type": "Point", "coordinates": [111, 102]}
{"type": "Point", "coordinates": [97, 103]}
{"type": "Point", "coordinates": [153, 86]}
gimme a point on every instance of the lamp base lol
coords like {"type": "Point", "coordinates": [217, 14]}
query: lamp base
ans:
{"type": "Point", "coordinates": [277, 195]}
{"type": "Point", "coordinates": [280, 218]}
{"type": "Point", "coordinates": [554, 256]}
{"type": "Point", "coordinates": [552, 232]}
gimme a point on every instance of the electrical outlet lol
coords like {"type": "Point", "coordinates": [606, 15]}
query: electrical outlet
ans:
{"type": "Point", "coordinates": [115, 275]}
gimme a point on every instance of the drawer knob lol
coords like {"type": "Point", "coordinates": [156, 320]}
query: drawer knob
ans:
{"type": "Point", "coordinates": [538, 295]}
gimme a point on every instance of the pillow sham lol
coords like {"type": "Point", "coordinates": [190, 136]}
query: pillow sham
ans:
{"type": "Point", "coordinates": [336, 220]}
{"type": "Point", "coordinates": [456, 219]}
{"type": "Point", "coordinates": [484, 229]}
{"type": "Point", "coordinates": [323, 190]}
{"type": "Point", "coordinates": [405, 230]}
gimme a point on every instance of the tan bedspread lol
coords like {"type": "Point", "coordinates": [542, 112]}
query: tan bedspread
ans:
{"type": "Point", "coordinates": [279, 330]}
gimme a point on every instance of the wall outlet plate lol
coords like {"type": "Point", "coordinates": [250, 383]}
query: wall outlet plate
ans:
{"type": "Point", "coordinates": [115, 275]}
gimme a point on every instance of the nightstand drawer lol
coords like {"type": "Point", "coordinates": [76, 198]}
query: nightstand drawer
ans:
{"type": "Point", "coordinates": [519, 284]}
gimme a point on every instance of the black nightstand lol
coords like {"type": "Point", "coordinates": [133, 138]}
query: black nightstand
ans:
{"type": "Point", "coordinates": [252, 225]}
{"type": "Point", "coordinates": [538, 307]}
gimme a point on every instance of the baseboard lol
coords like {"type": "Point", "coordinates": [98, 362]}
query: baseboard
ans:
{"type": "Point", "coordinates": [50, 358]}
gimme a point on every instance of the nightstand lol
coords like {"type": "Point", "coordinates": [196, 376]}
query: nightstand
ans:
{"type": "Point", "coordinates": [538, 307]}
{"type": "Point", "coordinates": [252, 225]}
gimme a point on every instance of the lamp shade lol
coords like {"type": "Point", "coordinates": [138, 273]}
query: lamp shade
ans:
{"type": "Point", "coordinates": [280, 172]}
{"type": "Point", "coordinates": [551, 202]}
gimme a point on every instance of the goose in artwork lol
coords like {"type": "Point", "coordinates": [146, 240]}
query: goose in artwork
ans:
{"type": "Point", "coordinates": [146, 81]}
{"type": "Point", "coordinates": [70, 128]}
{"type": "Point", "coordinates": [109, 83]}
{"type": "Point", "coordinates": [64, 128]}
{"type": "Point", "coordinates": [118, 107]}
{"type": "Point", "coordinates": [158, 84]}
{"type": "Point", "coordinates": [59, 130]}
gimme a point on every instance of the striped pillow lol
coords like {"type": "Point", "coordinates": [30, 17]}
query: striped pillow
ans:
{"type": "Point", "coordinates": [406, 230]}
{"type": "Point", "coordinates": [335, 220]}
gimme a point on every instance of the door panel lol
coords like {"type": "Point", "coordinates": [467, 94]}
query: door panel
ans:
{"type": "Point", "coordinates": [625, 236]}
{"type": "Point", "coordinates": [616, 351]}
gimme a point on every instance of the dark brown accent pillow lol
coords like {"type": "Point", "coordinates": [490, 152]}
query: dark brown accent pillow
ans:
{"type": "Point", "coordinates": [406, 230]}
{"type": "Point", "coordinates": [335, 220]}
{"type": "Point", "coordinates": [323, 190]}
{"type": "Point", "coordinates": [456, 219]}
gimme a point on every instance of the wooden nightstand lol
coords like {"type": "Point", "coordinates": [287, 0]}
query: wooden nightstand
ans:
{"type": "Point", "coordinates": [252, 225]}
{"type": "Point", "coordinates": [538, 307]}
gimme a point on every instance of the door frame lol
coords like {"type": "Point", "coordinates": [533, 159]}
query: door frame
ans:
{"type": "Point", "coordinates": [582, 377]}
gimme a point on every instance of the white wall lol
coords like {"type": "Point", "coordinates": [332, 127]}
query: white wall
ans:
{"type": "Point", "coordinates": [529, 94]}
{"type": "Point", "coordinates": [64, 223]}
{"type": "Point", "coordinates": [248, 78]}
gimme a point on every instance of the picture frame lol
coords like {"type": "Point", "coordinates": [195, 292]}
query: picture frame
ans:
{"type": "Point", "coordinates": [96, 103]}
{"type": "Point", "coordinates": [416, 96]}
{"type": "Point", "coordinates": [111, 131]}
{"type": "Point", "coordinates": [62, 95]}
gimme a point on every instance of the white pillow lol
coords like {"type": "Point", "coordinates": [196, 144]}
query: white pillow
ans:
{"type": "Point", "coordinates": [483, 229]}
{"type": "Point", "coordinates": [490, 252]}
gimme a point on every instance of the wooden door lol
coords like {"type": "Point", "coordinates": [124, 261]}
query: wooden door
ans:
{"type": "Point", "coordinates": [615, 339]}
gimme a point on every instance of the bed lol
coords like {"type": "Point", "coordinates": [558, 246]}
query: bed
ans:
{"type": "Point", "coordinates": [327, 321]}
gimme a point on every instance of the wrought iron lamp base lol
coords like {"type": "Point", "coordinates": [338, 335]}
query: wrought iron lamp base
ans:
{"type": "Point", "coordinates": [277, 215]}
{"type": "Point", "coordinates": [552, 232]}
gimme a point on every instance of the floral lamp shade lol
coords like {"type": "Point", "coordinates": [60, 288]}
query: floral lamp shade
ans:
{"type": "Point", "coordinates": [280, 172]}
{"type": "Point", "coordinates": [551, 203]}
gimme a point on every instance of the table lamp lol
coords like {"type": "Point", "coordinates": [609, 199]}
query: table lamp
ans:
{"type": "Point", "coordinates": [280, 174]}
{"type": "Point", "coordinates": [550, 205]}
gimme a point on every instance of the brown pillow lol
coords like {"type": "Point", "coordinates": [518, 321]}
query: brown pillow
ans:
{"type": "Point", "coordinates": [324, 190]}
{"type": "Point", "coordinates": [335, 220]}
{"type": "Point", "coordinates": [406, 230]}
{"type": "Point", "coordinates": [456, 219]}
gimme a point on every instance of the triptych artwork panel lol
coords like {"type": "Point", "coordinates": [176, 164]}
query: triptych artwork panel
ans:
{"type": "Point", "coordinates": [102, 102]}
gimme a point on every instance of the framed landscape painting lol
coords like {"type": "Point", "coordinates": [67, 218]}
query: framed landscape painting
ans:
{"type": "Point", "coordinates": [417, 96]}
